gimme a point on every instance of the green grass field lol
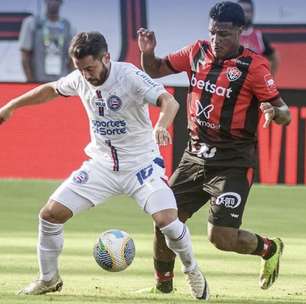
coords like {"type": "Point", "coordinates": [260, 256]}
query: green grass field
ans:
{"type": "Point", "coordinates": [275, 211]}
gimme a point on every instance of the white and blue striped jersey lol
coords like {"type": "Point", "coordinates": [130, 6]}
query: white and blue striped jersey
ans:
{"type": "Point", "coordinates": [120, 126]}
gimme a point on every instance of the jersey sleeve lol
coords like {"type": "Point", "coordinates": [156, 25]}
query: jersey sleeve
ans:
{"type": "Point", "coordinates": [145, 89]}
{"type": "Point", "coordinates": [263, 84]}
{"type": "Point", "coordinates": [68, 85]}
{"type": "Point", "coordinates": [179, 61]}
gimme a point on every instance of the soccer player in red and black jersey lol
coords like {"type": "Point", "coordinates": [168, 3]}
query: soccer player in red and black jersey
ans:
{"type": "Point", "coordinates": [230, 88]}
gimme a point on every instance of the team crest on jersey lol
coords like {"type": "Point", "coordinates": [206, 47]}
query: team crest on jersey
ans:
{"type": "Point", "coordinates": [114, 103]}
{"type": "Point", "coordinates": [81, 177]}
{"type": "Point", "coordinates": [233, 73]}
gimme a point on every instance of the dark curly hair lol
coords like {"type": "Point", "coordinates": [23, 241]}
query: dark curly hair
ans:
{"type": "Point", "coordinates": [228, 11]}
{"type": "Point", "coordinates": [86, 44]}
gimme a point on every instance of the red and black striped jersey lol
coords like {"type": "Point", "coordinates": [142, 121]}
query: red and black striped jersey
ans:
{"type": "Point", "coordinates": [223, 102]}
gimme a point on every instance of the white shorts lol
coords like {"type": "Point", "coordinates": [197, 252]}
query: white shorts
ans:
{"type": "Point", "coordinates": [94, 184]}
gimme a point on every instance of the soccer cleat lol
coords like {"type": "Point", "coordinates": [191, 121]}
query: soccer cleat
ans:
{"type": "Point", "coordinates": [198, 284]}
{"type": "Point", "coordinates": [39, 287]}
{"type": "Point", "coordinates": [270, 267]}
{"type": "Point", "coordinates": [164, 286]}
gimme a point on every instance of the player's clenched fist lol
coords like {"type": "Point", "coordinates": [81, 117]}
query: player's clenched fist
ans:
{"type": "Point", "coordinates": [269, 113]}
{"type": "Point", "coordinates": [146, 40]}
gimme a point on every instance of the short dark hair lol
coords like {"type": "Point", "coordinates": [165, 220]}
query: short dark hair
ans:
{"type": "Point", "coordinates": [228, 11]}
{"type": "Point", "coordinates": [88, 43]}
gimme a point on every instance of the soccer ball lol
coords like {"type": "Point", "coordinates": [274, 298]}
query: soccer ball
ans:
{"type": "Point", "coordinates": [114, 250]}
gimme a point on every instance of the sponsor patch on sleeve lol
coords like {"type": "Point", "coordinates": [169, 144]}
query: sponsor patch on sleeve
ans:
{"type": "Point", "coordinates": [146, 78]}
{"type": "Point", "coordinates": [270, 83]}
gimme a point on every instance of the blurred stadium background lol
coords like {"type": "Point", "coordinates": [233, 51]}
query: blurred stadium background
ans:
{"type": "Point", "coordinates": [40, 146]}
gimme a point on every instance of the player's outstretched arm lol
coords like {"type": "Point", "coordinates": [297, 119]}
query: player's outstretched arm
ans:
{"type": "Point", "coordinates": [154, 66]}
{"type": "Point", "coordinates": [277, 111]}
{"type": "Point", "coordinates": [42, 93]}
{"type": "Point", "coordinates": [168, 109]}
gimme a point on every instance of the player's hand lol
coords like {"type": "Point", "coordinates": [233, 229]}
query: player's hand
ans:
{"type": "Point", "coordinates": [5, 114]}
{"type": "Point", "coordinates": [161, 136]}
{"type": "Point", "coordinates": [146, 41]}
{"type": "Point", "coordinates": [269, 113]}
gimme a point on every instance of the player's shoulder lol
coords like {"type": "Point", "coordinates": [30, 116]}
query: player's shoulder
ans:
{"type": "Point", "coordinates": [129, 73]}
{"type": "Point", "coordinates": [120, 66]}
{"type": "Point", "coordinates": [127, 70]}
{"type": "Point", "coordinates": [73, 77]}
{"type": "Point", "coordinates": [257, 60]}
{"type": "Point", "coordinates": [76, 74]}
{"type": "Point", "coordinates": [123, 69]}
{"type": "Point", "coordinates": [199, 44]}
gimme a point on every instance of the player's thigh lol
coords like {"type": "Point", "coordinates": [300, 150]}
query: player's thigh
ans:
{"type": "Point", "coordinates": [187, 185]}
{"type": "Point", "coordinates": [148, 186]}
{"type": "Point", "coordinates": [230, 189]}
{"type": "Point", "coordinates": [91, 183]}
{"type": "Point", "coordinates": [66, 197]}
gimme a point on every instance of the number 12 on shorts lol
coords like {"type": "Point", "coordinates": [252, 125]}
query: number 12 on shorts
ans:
{"type": "Point", "coordinates": [144, 174]}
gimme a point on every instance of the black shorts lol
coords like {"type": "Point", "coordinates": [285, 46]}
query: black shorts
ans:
{"type": "Point", "coordinates": [227, 188]}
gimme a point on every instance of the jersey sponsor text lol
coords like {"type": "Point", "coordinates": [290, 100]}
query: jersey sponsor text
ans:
{"type": "Point", "coordinates": [110, 127]}
{"type": "Point", "coordinates": [210, 87]}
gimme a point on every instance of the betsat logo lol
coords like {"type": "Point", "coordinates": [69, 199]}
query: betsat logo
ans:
{"type": "Point", "coordinates": [110, 127]}
{"type": "Point", "coordinates": [210, 87]}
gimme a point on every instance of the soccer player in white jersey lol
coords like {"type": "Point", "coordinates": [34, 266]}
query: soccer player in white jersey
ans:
{"type": "Point", "coordinates": [124, 156]}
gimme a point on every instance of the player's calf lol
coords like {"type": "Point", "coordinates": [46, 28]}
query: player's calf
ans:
{"type": "Point", "coordinates": [164, 276]}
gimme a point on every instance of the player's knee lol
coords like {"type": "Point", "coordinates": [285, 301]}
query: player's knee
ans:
{"type": "Point", "coordinates": [165, 217]}
{"type": "Point", "coordinates": [48, 215]}
{"type": "Point", "coordinates": [222, 241]}
{"type": "Point", "coordinates": [183, 215]}
{"type": "Point", "coordinates": [54, 212]}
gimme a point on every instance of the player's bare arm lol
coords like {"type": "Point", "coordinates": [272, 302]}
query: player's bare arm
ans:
{"type": "Point", "coordinates": [168, 109]}
{"type": "Point", "coordinates": [277, 110]}
{"type": "Point", "coordinates": [42, 93]}
{"type": "Point", "coordinates": [154, 66]}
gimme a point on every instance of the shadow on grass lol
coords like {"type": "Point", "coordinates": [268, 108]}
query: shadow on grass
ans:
{"type": "Point", "coordinates": [132, 298]}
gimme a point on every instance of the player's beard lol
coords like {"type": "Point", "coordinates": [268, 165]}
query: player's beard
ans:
{"type": "Point", "coordinates": [103, 76]}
